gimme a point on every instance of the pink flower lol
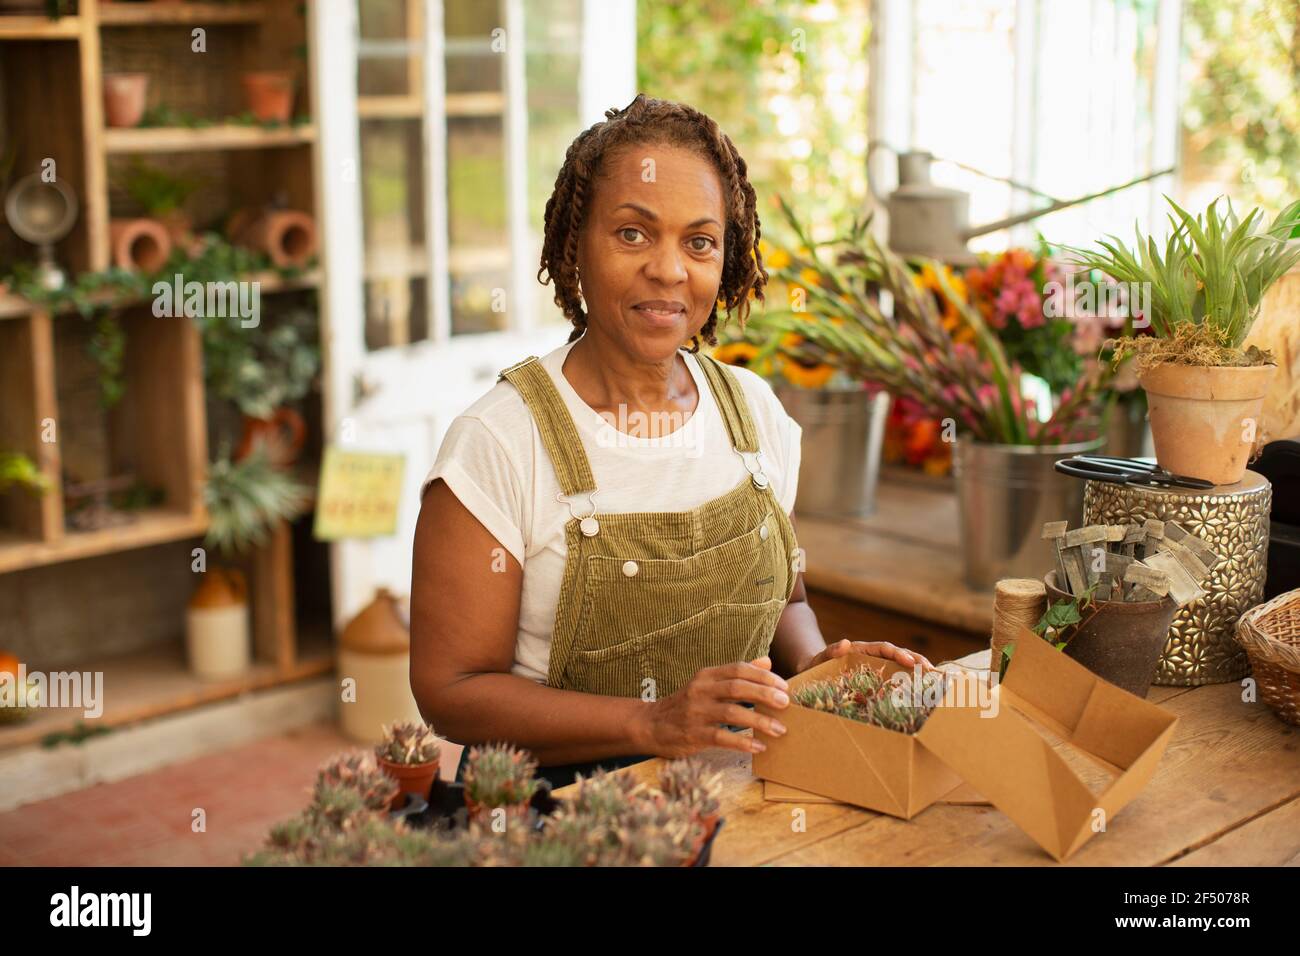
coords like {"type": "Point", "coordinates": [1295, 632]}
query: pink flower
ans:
{"type": "Point", "coordinates": [1030, 315]}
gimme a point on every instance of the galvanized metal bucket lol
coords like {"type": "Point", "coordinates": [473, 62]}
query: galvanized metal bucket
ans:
{"type": "Point", "coordinates": [843, 430]}
{"type": "Point", "coordinates": [1005, 494]}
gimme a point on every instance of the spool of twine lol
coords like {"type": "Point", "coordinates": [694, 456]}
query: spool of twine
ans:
{"type": "Point", "coordinates": [1017, 603]}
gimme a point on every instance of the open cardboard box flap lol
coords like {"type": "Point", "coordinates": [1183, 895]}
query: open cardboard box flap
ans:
{"type": "Point", "coordinates": [1001, 754]}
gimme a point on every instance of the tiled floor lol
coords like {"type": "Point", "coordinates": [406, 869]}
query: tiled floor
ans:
{"type": "Point", "coordinates": [146, 820]}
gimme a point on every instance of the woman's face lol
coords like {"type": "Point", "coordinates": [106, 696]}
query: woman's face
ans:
{"type": "Point", "coordinates": [650, 252]}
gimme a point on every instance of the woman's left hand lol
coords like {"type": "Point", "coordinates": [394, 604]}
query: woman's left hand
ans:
{"type": "Point", "coordinates": [885, 649]}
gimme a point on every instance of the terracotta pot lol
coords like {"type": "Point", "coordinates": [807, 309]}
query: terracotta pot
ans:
{"type": "Point", "coordinates": [269, 95]}
{"type": "Point", "coordinates": [710, 824]}
{"type": "Point", "coordinates": [124, 98]}
{"type": "Point", "coordinates": [287, 236]}
{"type": "Point", "coordinates": [282, 435]}
{"type": "Point", "coordinates": [1123, 641]}
{"type": "Point", "coordinates": [411, 778]}
{"type": "Point", "coordinates": [1204, 419]}
{"type": "Point", "coordinates": [140, 245]}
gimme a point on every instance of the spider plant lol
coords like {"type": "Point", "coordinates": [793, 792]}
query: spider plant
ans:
{"type": "Point", "coordinates": [246, 498]}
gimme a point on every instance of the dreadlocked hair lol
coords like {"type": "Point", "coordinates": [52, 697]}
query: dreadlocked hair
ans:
{"type": "Point", "coordinates": [643, 122]}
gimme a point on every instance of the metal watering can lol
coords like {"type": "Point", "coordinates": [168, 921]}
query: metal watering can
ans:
{"type": "Point", "coordinates": [933, 221]}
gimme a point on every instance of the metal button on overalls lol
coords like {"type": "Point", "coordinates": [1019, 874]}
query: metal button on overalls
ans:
{"type": "Point", "coordinates": [705, 594]}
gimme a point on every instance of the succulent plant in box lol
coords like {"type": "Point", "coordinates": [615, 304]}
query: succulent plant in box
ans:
{"type": "Point", "coordinates": [499, 775]}
{"type": "Point", "coordinates": [864, 694]}
{"type": "Point", "coordinates": [409, 754]}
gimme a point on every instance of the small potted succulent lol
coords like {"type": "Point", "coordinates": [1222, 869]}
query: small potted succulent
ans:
{"type": "Point", "coordinates": [656, 831]}
{"type": "Point", "coordinates": [409, 754]}
{"type": "Point", "coordinates": [499, 776]}
{"type": "Point", "coordinates": [355, 772]}
{"type": "Point", "coordinates": [690, 783]}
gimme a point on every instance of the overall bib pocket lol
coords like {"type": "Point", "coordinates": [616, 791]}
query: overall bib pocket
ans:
{"type": "Point", "coordinates": [661, 662]}
{"type": "Point", "coordinates": [625, 595]}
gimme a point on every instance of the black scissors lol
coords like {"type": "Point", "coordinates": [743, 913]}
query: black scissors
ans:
{"type": "Point", "coordinates": [1126, 471]}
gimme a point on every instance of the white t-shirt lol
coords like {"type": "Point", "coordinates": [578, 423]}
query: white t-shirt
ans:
{"type": "Point", "coordinates": [493, 460]}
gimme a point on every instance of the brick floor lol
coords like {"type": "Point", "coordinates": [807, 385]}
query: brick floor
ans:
{"type": "Point", "coordinates": [146, 820]}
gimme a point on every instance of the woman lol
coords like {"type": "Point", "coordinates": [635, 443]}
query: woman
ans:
{"type": "Point", "coordinates": [605, 567]}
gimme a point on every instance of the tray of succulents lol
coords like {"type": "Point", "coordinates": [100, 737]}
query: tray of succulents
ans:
{"type": "Point", "coordinates": [611, 819]}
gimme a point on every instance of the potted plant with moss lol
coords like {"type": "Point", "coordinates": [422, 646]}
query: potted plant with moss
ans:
{"type": "Point", "coordinates": [1204, 387]}
{"type": "Point", "coordinates": [409, 754]}
{"type": "Point", "coordinates": [499, 776]}
{"type": "Point", "coordinates": [264, 375]}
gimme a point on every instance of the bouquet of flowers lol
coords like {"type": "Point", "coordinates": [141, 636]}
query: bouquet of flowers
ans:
{"type": "Point", "coordinates": [1009, 292]}
{"type": "Point", "coordinates": [945, 357]}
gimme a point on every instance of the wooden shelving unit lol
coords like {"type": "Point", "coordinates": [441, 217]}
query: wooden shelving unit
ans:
{"type": "Point", "coordinates": [148, 684]}
{"type": "Point", "coordinates": [225, 136]}
{"type": "Point", "coordinates": [39, 28]}
{"type": "Point", "coordinates": [179, 14]}
{"type": "Point", "coordinates": [51, 107]}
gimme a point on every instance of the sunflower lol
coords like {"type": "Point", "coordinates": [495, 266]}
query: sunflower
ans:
{"type": "Point", "coordinates": [774, 257]}
{"type": "Point", "coordinates": [742, 354]}
{"type": "Point", "coordinates": [950, 315]}
{"type": "Point", "coordinates": [800, 369]}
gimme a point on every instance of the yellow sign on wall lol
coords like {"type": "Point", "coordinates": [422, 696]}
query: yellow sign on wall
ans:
{"type": "Point", "coordinates": [359, 494]}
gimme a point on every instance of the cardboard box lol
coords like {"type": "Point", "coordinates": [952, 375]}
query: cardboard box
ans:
{"type": "Point", "coordinates": [850, 761]}
{"type": "Point", "coordinates": [1060, 750]}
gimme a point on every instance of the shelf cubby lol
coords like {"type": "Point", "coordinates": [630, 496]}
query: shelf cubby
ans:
{"type": "Point", "coordinates": [51, 107]}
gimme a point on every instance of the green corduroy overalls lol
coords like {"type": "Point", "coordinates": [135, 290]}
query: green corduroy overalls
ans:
{"type": "Point", "coordinates": [650, 598]}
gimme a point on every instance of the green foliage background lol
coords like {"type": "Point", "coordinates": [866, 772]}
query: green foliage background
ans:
{"type": "Point", "coordinates": [1242, 105]}
{"type": "Point", "coordinates": [730, 59]}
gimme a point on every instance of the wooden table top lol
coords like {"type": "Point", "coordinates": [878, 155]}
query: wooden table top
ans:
{"type": "Point", "coordinates": [906, 557]}
{"type": "Point", "coordinates": [1226, 793]}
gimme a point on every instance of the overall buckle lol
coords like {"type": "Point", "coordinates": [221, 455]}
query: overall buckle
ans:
{"type": "Point", "coordinates": [754, 467]}
{"type": "Point", "coordinates": [587, 523]}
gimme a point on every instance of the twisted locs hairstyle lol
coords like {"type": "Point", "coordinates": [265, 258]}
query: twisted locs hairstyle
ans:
{"type": "Point", "coordinates": [646, 121]}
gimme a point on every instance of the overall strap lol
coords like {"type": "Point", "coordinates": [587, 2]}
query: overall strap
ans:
{"type": "Point", "coordinates": [731, 402]}
{"type": "Point", "coordinates": [559, 434]}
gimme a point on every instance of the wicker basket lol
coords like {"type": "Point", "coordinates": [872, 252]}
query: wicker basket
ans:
{"type": "Point", "coordinates": [1270, 634]}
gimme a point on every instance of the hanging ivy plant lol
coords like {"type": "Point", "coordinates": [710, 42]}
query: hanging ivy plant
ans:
{"type": "Point", "coordinates": [108, 349]}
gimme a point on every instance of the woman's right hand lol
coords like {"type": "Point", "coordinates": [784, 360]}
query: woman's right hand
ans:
{"type": "Point", "coordinates": [691, 720]}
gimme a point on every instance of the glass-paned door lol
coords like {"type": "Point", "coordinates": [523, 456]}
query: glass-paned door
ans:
{"type": "Point", "coordinates": [444, 123]}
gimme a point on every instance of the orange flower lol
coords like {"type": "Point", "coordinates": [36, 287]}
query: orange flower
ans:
{"type": "Point", "coordinates": [742, 354]}
{"type": "Point", "coordinates": [806, 376]}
